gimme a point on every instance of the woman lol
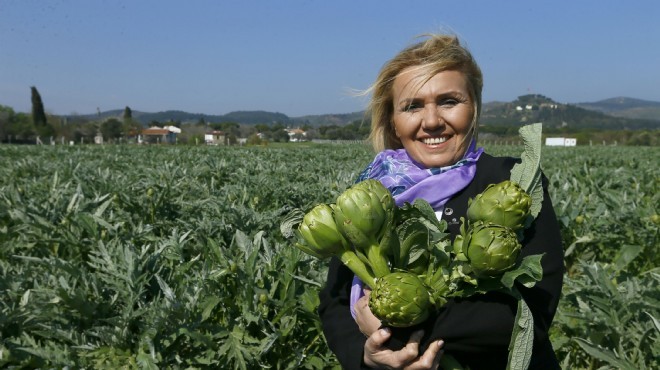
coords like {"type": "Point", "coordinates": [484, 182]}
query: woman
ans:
{"type": "Point", "coordinates": [425, 106]}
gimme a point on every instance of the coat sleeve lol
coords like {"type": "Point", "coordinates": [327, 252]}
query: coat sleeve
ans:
{"type": "Point", "coordinates": [341, 332]}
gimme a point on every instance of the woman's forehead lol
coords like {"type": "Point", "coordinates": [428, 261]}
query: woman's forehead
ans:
{"type": "Point", "coordinates": [411, 79]}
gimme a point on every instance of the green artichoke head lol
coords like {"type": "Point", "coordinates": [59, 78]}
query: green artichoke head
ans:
{"type": "Point", "coordinates": [505, 204]}
{"type": "Point", "coordinates": [400, 299]}
{"type": "Point", "coordinates": [319, 231]}
{"type": "Point", "coordinates": [380, 191]}
{"type": "Point", "coordinates": [490, 249]}
{"type": "Point", "coordinates": [362, 212]}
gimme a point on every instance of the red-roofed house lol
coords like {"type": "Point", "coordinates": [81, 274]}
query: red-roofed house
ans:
{"type": "Point", "coordinates": [157, 135]}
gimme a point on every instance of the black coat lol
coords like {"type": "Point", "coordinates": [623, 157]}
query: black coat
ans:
{"type": "Point", "coordinates": [477, 330]}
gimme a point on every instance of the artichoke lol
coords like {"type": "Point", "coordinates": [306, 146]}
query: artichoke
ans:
{"type": "Point", "coordinates": [379, 190]}
{"type": "Point", "coordinates": [505, 204]}
{"type": "Point", "coordinates": [364, 214]}
{"type": "Point", "coordinates": [400, 299]}
{"type": "Point", "coordinates": [319, 231]}
{"type": "Point", "coordinates": [490, 249]}
{"type": "Point", "coordinates": [362, 211]}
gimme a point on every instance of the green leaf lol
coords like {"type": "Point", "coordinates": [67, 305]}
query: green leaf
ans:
{"type": "Point", "coordinates": [290, 222]}
{"type": "Point", "coordinates": [522, 338]}
{"type": "Point", "coordinates": [146, 362]}
{"type": "Point", "coordinates": [107, 200]}
{"type": "Point", "coordinates": [655, 321]}
{"type": "Point", "coordinates": [234, 348]}
{"type": "Point", "coordinates": [527, 273]}
{"type": "Point", "coordinates": [605, 355]}
{"type": "Point", "coordinates": [626, 254]}
{"type": "Point", "coordinates": [413, 241]}
{"type": "Point", "coordinates": [209, 304]}
{"type": "Point", "coordinates": [425, 209]}
{"type": "Point", "coordinates": [528, 173]}
{"type": "Point", "coordinates": [167, 291]}
{"type": "Point", "coordinates": [419, 231]}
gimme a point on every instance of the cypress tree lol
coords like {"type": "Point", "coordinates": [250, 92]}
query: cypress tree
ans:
{"type": "Point", "coordinates": [38, 114]}
{"type": "Point", "coordinates": [128, 114]}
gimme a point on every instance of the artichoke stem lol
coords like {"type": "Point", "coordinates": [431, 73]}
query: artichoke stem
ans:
{"type": "Point", "coordinates": [387, 240]}
{"type": "Point", "coordinates": [378, 261]}
{"type": "Point", "coordinates": [351, 260]}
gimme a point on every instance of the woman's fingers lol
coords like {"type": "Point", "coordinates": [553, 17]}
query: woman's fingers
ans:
{"type": "Point", "coordinates": [407, 358]}
{"type": "Point", "coordinates": [365, 319]}
{"type": "Point", "coordinates": [430, 359]}
{"type": "Point", "coordinates": [377, 339]}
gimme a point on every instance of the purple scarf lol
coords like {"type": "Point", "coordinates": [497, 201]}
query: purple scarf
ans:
{"type": "Point", "coordinates": [408, 180]}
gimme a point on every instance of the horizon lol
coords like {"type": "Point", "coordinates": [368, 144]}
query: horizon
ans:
{"type": "Point", "coordinates": [307, 58]}
{"type": "Point", "coordinates": [120, 110]}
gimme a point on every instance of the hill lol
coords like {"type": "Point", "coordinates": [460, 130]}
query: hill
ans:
{"type": "Point", "coordinates": [243, 117]}
{"type": "Point", "coordinates": [626, 107]}
{"type": "Point", "coordinates": [145, 118]}
{"type": "Point", "coordinates": [329, 119]}
{"type": "Point", "coordinates": [539, 108]}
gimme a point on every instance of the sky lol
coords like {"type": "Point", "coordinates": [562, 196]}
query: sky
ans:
{"type": "Point", "coordinates": [306, 57]}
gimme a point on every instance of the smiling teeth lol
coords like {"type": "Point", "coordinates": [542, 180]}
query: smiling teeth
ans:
{"type": "Point", "coordinates": [435, 140]}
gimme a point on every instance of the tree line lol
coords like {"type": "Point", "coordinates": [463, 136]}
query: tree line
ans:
{"type": "Point", "coordinates": [38, 126]}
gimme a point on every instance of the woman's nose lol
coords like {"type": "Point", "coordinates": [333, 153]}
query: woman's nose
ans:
{"type": "Point", "coordinates": [432, 119]}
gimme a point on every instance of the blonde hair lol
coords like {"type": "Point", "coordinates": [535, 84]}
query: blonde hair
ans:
{"type": "Point", "coordinates": [436, 53]}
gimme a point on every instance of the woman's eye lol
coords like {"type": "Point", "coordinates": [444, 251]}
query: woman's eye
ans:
{"type": "Point", "coordinates": [411, 107]}
{"type": "Point", "coordinates": [448, 102]}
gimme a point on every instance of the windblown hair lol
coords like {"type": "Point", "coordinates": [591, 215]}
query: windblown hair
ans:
{"type": "Point", "coordinates": [436, 53]}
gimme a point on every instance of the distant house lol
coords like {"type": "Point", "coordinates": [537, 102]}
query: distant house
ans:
{"type": "Point", "coordinates": [560, 141]}
{"type": "Point", "coordinates": [296, 134]}
{"type": "Point", "coordinates": [215, 138]}
{"type": "Point", "coordinates": [157, 135]}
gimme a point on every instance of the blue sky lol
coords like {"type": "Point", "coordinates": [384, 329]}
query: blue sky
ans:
{"type": "Point", "coordinates": [304, 57]}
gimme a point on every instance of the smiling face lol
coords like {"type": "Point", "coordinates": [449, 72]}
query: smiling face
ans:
{"type": "Point", "coordinates": [432, 119]}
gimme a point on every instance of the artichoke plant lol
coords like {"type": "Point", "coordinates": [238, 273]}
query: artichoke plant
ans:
{"type": "Point", "coordinates": [489, 248]}
{"type": "Point", "coordinates": [400, 299]}
{"type": "Point", "coordinates": [505, 204]}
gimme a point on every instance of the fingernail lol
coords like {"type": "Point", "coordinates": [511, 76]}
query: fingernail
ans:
{"type": "Point", "coordinates": [441, 343]}
{"type": "Point", "coordinates": [385, 331]}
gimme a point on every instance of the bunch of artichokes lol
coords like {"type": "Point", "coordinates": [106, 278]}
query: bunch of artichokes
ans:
{"type": "Point", "coordinates": [490, 238]}
{"type": "Point", "coordinates": [404, 254]}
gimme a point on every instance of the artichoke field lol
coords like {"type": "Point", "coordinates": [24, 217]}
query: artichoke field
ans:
{"type": "Point", "coordinates": [170, 257]}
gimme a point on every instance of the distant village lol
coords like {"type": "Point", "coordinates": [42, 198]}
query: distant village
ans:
{"type": "Point", "coordinates": [169, 135]}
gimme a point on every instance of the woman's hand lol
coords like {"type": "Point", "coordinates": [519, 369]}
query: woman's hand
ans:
{"type": "Point", "coordinates": [366, 320]}
{"type": "Point", "coordinates": [379, 357]}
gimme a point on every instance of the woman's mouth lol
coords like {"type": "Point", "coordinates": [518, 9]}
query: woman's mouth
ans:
{"type": "Point", "coordinates": [435, 140]}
